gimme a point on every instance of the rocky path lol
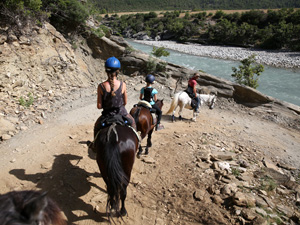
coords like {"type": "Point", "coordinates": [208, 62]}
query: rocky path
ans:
{"type": "Point", "coordinates": [229, 167]}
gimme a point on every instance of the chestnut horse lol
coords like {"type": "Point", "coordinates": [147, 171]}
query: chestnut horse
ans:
{"type": "Point", "coordinates": [116, 148]}
{"type": "Point", "coordinates": [29, 207]}
{"type": "Point", "coordinates": [144, 123]}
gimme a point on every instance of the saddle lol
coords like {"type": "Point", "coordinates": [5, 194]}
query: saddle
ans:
{"type": "Point", "coordinates": [191, 94]}
{"type": "Point", "coordinates": [107, 121]}
{"type": "Point", "coordinates": [147, 105]}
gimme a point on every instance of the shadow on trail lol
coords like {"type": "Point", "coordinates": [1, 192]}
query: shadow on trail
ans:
{"type": "Point", "coordinates": [66, 183]}
{"type": "Point", "coordinates": [168, 118]}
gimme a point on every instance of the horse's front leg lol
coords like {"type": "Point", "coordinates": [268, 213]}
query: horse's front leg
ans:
{"type": "Point", "coordinates": [149, 143]}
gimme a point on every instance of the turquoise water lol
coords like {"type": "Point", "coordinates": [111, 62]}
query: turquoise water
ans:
{"type": "Point", "coordinates": [283, 84]}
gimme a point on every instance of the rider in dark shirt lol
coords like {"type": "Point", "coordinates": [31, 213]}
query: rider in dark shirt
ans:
{"type": "Point", "coordinates": [112, 94]}
{"type": "Point", "coordinates": [149, 94]}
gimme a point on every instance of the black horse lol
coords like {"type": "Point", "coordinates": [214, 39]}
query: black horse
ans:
{"type": "Point", "coordinates": [116, 148]}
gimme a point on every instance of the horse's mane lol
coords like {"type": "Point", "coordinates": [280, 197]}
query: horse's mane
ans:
{"type": "Point", "coordinates": [26, 207]}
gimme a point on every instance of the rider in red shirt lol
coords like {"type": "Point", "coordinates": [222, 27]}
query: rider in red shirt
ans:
{"type": "Point", "coordinates": [192, 89]}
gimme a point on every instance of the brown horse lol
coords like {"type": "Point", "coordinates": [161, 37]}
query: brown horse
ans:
{"type": "Point", "coordinates": [29, 207]}
{"type": "Point", "coordinates": [116, 147]}
{"type": "Point", "coordinates": [144, 123]}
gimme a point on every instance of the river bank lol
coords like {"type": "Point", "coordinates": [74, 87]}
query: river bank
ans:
{"type": "Point", "coordinates": [281, 59]}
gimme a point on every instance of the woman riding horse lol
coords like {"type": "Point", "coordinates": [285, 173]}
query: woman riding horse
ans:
{"type": "Point", "coordinates": [191, 90]}
{"type": "Point", "coordinates": [115, 143]}
{"type": "Point", "coordinates": [112, 95]}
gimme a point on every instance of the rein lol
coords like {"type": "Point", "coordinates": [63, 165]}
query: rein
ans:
{"type": "Point", "coordinates": [110, 129]}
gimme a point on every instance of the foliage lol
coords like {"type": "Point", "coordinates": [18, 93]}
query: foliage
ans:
{"type": "Point", "coordinates": [153, 66]}
{"type": "Point", "coordinates": [268, 184]}
{"type": "Point", "coordinates": [159, 52]}
{"type": "Point", "coordinates": [71, 12]}
{"type": "Point", "coordinates": [60, 12]}
{"type": "Point", "coordinates": [255, 28]}
{"type": "Point", "coordinates": [147, 5]}
{"type": "Point", "coordinates": [236, 172]}
{"type": "Point", "coordinates": [26, 102]}
{"type": "Point", "coordinates": [248, 74]}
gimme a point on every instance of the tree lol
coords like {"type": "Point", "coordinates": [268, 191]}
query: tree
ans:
{"type": "Point", "coordinates": [247, 73]}
{"type": "Point", "coordinates": [159, 52]}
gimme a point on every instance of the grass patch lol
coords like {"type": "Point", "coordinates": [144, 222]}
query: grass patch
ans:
{"type": "Point", "coordinates": [26, 102]}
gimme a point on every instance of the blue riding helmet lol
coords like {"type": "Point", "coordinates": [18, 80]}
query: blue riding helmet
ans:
{"type": "Point", "coordinates": [150, 78]}
{"type": "Point", "coordinates": [113, 63]}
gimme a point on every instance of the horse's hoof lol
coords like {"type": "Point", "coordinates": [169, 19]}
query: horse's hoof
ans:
{"type": "Point", "coordinates": [139, 154]}
{"type": "Point", "coordinates": [146, 152]}
{"type": "Point", "coordinates": [123, 212]}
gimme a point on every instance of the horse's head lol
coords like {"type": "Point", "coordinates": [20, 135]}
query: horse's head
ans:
{"type": "Point", "coordinates": [212, 101]}
{"type": "Point", "coordinates": [160, 103]}
{"type": "Point", "coordinates": [29, 207]}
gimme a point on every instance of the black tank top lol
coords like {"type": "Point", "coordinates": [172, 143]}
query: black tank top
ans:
{"type": "Point", "coordinates": [113, 105]}
{"type": "Point", "coordinates": [148, 94]}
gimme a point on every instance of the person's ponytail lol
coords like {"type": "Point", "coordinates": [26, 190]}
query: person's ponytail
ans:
{"type": "Point", "coordinates": [111, 83]}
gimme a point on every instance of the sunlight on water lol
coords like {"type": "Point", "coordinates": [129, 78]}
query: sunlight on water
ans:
{"type": "Point", "coordinates": [283, 84]}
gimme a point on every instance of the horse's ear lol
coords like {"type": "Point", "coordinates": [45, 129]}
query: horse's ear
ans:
{"type": "Point", "coordinates": [33, 209]}
{"type": "Point", "coordinates": [162, 100]}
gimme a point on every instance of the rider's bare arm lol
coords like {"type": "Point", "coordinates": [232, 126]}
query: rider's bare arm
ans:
{"type": "Point", "coordinates": [124, 94]}
{"type": "Point", "coordinates": [99, 97]}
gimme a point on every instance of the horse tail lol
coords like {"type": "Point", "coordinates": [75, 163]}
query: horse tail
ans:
{"type": "Point", "coordinates": [174, 103]}
{"type": "Point", "coordinates": [116, 177]}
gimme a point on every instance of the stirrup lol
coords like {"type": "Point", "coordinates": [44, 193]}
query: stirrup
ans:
{"type": "Point", "coordinates": [159, 127]}
{"type": "Point", "coordinates": [91, 146]}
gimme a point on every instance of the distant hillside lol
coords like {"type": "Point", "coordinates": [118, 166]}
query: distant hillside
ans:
{"type": "Point", "coordinates": [147, 5]}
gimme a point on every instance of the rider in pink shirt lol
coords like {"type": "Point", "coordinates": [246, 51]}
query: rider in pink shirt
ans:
{"type": "Point", "coordinates": [192, 89]}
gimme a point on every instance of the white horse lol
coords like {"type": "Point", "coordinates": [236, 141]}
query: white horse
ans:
{"type": "Point", "coordinates": [183, 100]}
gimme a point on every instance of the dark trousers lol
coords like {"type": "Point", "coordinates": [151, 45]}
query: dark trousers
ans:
{"type": "Point", "coordinates": [198, 103]}
{"type": "Point", "coordinates": [158, 113]}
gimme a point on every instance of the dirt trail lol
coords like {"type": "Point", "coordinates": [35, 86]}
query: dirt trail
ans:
{"type": "Point", "coordinates": [53, 157]}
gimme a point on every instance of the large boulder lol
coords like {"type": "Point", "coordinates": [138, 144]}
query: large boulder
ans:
{"type": "Point", "coordinates": [104, 47]}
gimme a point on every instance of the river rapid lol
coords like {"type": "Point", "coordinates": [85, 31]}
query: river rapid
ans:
{"type": "Point", "coordinates": [280, 79]}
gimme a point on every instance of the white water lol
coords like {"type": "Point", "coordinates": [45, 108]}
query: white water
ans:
{"type": "Point", "coordinates": [283, 84]}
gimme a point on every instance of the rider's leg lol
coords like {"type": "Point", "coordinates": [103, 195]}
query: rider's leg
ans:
{"type": "Point", "coordinates": [97, 127]}
{"type": "Point", "coordinates": [158, 113]}
{"type": "Point", "coordinates": [198, 104]}
{"type": "Point", "coordinates": [132, 119]}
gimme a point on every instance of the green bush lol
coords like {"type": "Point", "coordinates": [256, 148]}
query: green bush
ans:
{"type": "Point", "coordinates": [151, 65]}
{"type": "Point", "coordinates": [248, 74]}
{"type": "Point", "coordinates": [26, 102]}
{"type": "Point", "coordinates": [159, 52]}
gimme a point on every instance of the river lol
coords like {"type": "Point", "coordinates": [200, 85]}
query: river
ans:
{"type": "Point", "coordinates": [283, 84]}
